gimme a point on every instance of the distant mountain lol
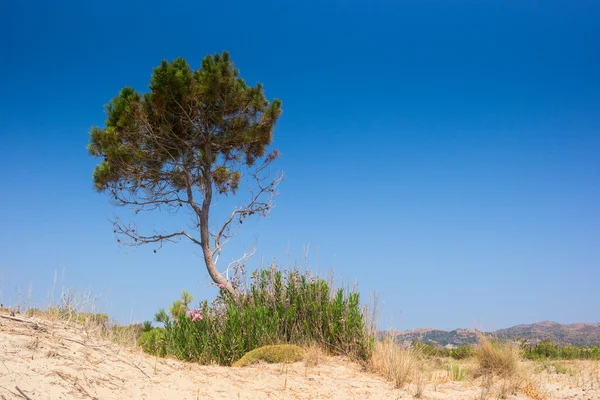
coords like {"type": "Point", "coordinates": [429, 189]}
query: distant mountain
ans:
{"type": "Point", "coordinates": [455, 338]}
{"type": "Point", "coordinates": [581, 334]}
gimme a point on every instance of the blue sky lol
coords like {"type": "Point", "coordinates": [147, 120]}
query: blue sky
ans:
{"type": "Point", "coordinates": [445, 154]}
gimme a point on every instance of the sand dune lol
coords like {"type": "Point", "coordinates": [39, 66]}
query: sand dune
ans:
{"type": "Point", "coordinates": [55, 360]}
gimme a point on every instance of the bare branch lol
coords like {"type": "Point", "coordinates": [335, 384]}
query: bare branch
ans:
{"type": "Point", "coordinates": [133, 238]}
{"type": "Point", "coordinates": [248, 254]}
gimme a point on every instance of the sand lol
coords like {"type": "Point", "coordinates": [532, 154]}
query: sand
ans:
{"type": "Point", "coordinates": [56, 360]}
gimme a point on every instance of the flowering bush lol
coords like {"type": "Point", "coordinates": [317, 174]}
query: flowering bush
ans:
{"type": "Point", "coordinates": [277, 307]}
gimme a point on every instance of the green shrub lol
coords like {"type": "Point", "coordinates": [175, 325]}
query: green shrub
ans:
{"type": "Point", "coordinates": [278, 307]}
{"type": "Point", "coordinates": [462, 352]}
{"type": "Point", "coordinates": [547, 349]}
{"type": "Point", "coordinates": [152, 342]}
{"type": "Point", "coordinates": [430, 349]}
{"type": "Point", "coordinates": [147, 326]}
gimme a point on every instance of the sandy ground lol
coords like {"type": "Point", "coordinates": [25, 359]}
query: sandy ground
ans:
{"type": "Point", "coordinates": [55, 360]}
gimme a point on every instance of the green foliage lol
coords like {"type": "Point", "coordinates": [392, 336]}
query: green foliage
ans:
{"type": "Point", "coordinates": [206, 119]}
{"type": "Point", "coordinates": [430, 349]}
{"type": "Point", "coordinates": [147, 326]}
{"type": "Point", "coordinates": [275, 354]}
{"type": "Point", "coordinates": [547, 349]}
{"type": "Point", "coordinates": [278, 307]}
{"type": "Point", "coordinates": [152, 342]}
{"type": "Point", "coordinates": [433, 350]}
{"type": "Point", "coordinates": [462, 352]}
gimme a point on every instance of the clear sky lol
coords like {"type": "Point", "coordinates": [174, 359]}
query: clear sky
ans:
{"type": "Point", "coordinates": [445, 154]}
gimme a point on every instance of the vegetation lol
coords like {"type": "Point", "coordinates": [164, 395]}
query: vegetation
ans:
{"type": "Point", "coordinates": [277, 307]}
{"type": "Point", "coordinates": [498, 358]}
{"type": "Point", "coordinates": [279, 353]}
{"type": "Point", "coordinates": [547, 349]}
{"type": "Point", "coordinates": [456, 372]}
{"type": "Point", "coordinates": [194, 136]}
{"type": "Point", "coordinates": [396, 364]}
{"type": "Point", "coordinates": [431, 350]}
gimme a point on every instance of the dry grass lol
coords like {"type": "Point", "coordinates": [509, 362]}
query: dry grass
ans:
{"type": "Point", "coordinates": [280, 353]}
{"type": "Point", "coordinates": [397, 364]}
{"type": "Point", "coordinates": [497, 358]}
{"type": "Point", "coordinates": [314, 355]}
{"type": "Point", "coordinates": [502, 360]}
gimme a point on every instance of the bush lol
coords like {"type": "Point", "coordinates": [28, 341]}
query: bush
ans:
{"type": "Point", "coordinates": [462, 352]}
{"type": "Point", "coordinates": [497, 358]}
{"type": "Point", "coordinates": [547, 349]}
{"type": "Point", "coordinates": [282, 353]}
{"type": "Point", "coordinates": [278, 307]}
{"type": "Point", "coordinates": [152, 342]}
{"type": "Point", "coordinates": [430, 349]}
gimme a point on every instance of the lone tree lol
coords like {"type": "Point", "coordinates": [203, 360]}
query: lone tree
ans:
{"type": "Point", "coordinates": [191, 138]}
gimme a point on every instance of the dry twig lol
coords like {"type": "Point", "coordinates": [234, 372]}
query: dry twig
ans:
{"type": "Point", "coordinates": [23, 393]}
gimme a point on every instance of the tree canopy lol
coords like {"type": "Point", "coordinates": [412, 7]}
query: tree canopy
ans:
{"type": "Point", "coordinates": [195, 135]}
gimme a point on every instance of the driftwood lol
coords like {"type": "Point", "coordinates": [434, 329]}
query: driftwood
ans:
{"type": "Point", "coordinates": [35, 324]}
{"type": "Point", "coordinates": [17, 319]}
{"type": "Point", "coordinates": [22, 393]}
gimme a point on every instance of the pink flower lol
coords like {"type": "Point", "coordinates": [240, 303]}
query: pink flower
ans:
{"type": "Point", "coordinates": [197, 317]}
{"type": "Point", "coordinates": [221, 286]}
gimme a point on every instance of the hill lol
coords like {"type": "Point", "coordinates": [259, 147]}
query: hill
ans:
{"type": "Point", "coordinates": [579, 334]}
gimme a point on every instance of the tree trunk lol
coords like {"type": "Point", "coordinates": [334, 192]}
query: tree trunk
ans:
{"type": "Point", "coordinates": [214, 273]}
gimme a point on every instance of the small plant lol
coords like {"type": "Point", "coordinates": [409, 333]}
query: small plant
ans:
{"type": "Point", "coordinates": [283, 353]}
{"type": "Point", "coordinates": [152, 342]}
{"type": "Point", "coordinates": [147, 326]}
{"type": "Point", "coordinates": [456, 372]}
{"type": "Point", "coordinates": [561, 369]}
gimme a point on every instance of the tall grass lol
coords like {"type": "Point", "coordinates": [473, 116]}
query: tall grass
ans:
{"type": "Point", "coordinates": [497, 358]}
{"type": "Point", "coordinates": [397, 364]}
{"type": "Point", "coordinates": [275, 307]}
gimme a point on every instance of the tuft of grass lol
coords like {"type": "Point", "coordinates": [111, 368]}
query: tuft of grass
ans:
{"type": "Point", "coordinates": [394, 363]}
{"type": "Point", "coordinates": [497, 358]}
{"type": "Point", "coordinates": [314, 355]}
{"type": "Point", "coordinates": [456, 372]}
{"type": "Point", "coordinates": [275, 354]}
